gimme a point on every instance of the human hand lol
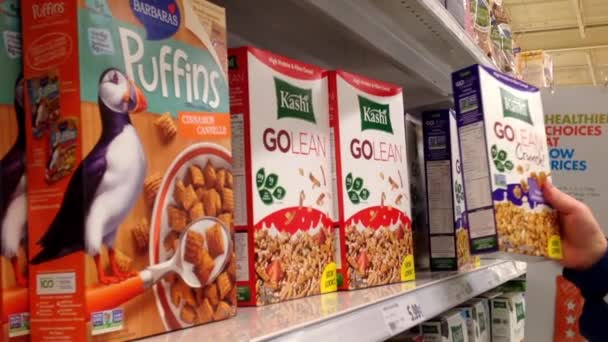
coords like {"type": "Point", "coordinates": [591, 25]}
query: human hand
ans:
{"type": "Point", "coordinates": [583, 241]}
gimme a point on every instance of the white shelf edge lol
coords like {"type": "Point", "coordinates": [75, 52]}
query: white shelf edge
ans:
{"type": "Point", "coordinates": [435, 297]}
{"type": "Point", "coordinates": [353, 315]}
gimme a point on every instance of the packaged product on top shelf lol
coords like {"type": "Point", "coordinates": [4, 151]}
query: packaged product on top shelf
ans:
{"type": "Point", "coordinates": [450, 326]}
{"type": "Point", "coordinates": [372, 182]}
{"type": "Point", "coordinates": [448, 229]}
{"type": "Point", "coordinates": [414, 143]}
{"type": "Point", "coordinates": [478, 320]}
{"type": "Point", "coordinates": [13, 199]}
{"type": "Point", "coordinates": [480, 25]}
{"type": "Point", "coordinates": [281, 139]}
{"type": "Point", "coordinates": [536, 68]}
{"type": "Point", "coordinates": [508, 317]}
{"type": "Point", "coordinates": [129, 168]}
{"type": "Point", "coordinates": [505, 164]}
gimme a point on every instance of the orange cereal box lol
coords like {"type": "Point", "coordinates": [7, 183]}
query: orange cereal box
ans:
{"type": "Point", "coordinates": [123, 100]}
{"type": "Point", "coordinates": [13, 200]}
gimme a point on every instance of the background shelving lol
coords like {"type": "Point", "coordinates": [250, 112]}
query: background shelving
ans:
{"type": "Point", "coordinates": [414, 43]}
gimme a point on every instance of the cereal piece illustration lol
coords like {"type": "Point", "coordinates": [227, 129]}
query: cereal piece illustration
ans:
{"type": "Point", "coordinates": [210, 292]}
{"type": "Point", "coordinates": [141, 235]}
{"type": "Point", "coordinates": [223, 311]}
{"type": "Point", "coordinates": [227, 200]}
{"type": "Point", "coordinates": [185, 195]}
{"type": "Point", "coordinates": [320, 199]}
{"type": "Point", "coordinates": [398, 199]}
{"type": "Point", "coordinates": [323, 175]}
{"type": "Point", "coordinates": [151, 186]}
{"type": "Point", "coordinates": [170, 241]}
{"type": "Point", "coordinates": [220, 181]}
{"type": "Point", "coordinates": [166, 126]}
{"type": "Point", "coordinates": [394, 185]}
{"type": "Point", "coordinates": [204, 267]}
{"type": "Point", "coordinates": [196, 175]}
{"type": "Point", "coordinates": [188, 314]}
{"type": "Point", "coordinates": [194, 245]}
{"type": "Point", "coordinates": [178, 219]}
{"type": "Point", "coordinates": [210, 175]}
{"type": "Point", "coordinates": [211, 202]}
{"type": "Point", "coordinates": [302, 197]}
{"type": "Point", "coordinates": [517, 192]}
{"type": "Point", "coordinates": [226, 218]}
{"type": "Point", "coordinates": [224, 284]}
{"type": "Point", "coordinates": [520, 169]}
{"type": "Point", "coordinates": [205, 311]}
{"type": "Point", "coordinates": [289, 217]}
{"type": "Point", "coordinates": [123, 261]}
{"type": "Point", "coordinates": [382, 175]}
{"type": "Point", "coordinates": [301, 171]}
{"type": "Point", "coordinates": [229, 180]}
{"type": "Point", "coordinates": [215, 240]}
{"type": "Point", "coordinates": [197, 211]}
{"type": "Point", "coordinates": [315, 182]}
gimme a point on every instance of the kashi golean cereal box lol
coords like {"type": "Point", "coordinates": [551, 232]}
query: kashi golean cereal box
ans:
{"type": "Point", "coordinates": [505, 164]}
{"type": "Point", "coordinates": [280, 122]}
{"type": "Point", "coordinates": [372, 182]}
{"type": "Point", "coordinates": [13, 200]}
{"type": "Point", "coordinates": [130, 169]}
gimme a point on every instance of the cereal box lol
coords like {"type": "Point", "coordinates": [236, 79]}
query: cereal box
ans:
{"type": "Point", "coordinates": [448, 229]}
{"type": "Point", "coordinates": [372, 182]}
{"type": "Point", "coordinates": [13, 199]}
{"type": "Point", "coordinates": [448, 327]}
{"type": "Point", "coordinates": [505, 163]}
{"type": "Point", "coordinates": [280, 122]}
{"type": "Point", "coordinates": [414, 142]}
{"type": "Point", "coordinates": [508, 317]}
{"type": "Point", "coordinates": [129, 168]}
{"type": "Point", "coordinates": [478, 320]}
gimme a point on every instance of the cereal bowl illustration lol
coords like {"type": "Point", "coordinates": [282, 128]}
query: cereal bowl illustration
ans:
{"type": "Point", "coordinates": [191, 227]}
{"type": "Point", "coordinates": [379, 240]}
{"type": "Point", "coordinates": [293, 254]}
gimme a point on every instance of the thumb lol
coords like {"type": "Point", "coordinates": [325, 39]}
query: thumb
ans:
{"type": "Point", "coordinates": [559, 200]}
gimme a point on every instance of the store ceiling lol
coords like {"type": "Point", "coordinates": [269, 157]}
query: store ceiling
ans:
{"type": "Point", "coordinates": [575, 32]}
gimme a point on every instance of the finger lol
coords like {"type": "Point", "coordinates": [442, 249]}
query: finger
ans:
{"type": "Point", "coordinates": [559, 200]}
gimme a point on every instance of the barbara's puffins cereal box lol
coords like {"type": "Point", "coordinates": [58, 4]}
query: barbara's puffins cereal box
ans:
{"type": "Point", "coordinates": [129, 166]}
{"type": "Point", "coordinates": [13, 200]}
{"type": "Point", "coordinates": [448, 230]}
{"type": "Point", "coordinates": [375, 230]}
{"type": "Point", "coordinates": [505, 164]}
{"type": "Point", "coordinates": [280, 120]}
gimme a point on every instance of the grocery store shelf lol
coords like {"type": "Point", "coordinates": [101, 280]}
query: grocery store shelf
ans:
{"type": "Point", "coordinates": [364, 315]}
{"type": "Point", "coordinates": [414, 43]}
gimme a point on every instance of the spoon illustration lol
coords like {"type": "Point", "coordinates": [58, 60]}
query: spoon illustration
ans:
{"type": "Point", "coordinates": [112, 296]}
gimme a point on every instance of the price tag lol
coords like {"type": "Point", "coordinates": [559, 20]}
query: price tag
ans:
{"type": "Point", "coordinates": [403, 314]}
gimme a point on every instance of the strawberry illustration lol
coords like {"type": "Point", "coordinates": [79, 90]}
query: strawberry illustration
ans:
{"type": "Point", "coordinates": [275, 271]}
{"type": "Point", "coordinates": [362, 261]}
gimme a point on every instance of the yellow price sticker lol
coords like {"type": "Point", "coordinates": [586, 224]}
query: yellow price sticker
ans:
{"type": "Point", "coordinates": [554, 247]}
{"type": "Point", "coordinates": [329, 279]}
{"type": "Point", "coordinates": [407, 268]}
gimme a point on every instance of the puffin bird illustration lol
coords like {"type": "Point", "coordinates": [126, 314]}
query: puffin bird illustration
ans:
{"type": "Point", "coordinates": [13, 201]}
{"type": "Point", "coordinates": [106, 184]}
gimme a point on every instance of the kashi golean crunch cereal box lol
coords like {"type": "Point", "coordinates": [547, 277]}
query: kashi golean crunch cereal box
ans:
{"type": "Point", "coordinates": [505, 164]}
